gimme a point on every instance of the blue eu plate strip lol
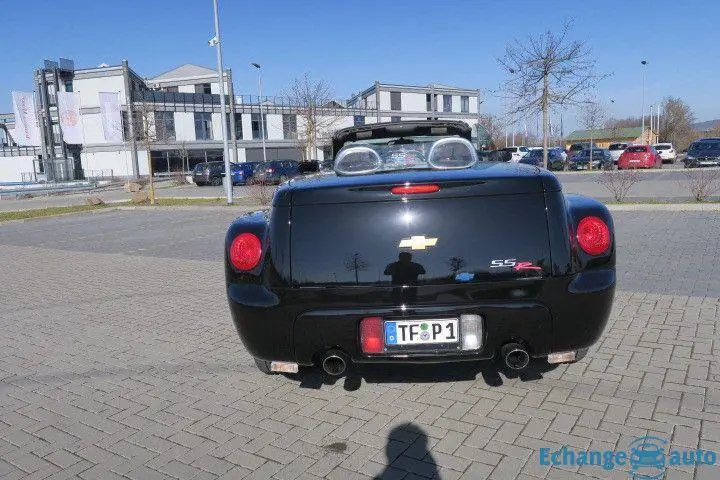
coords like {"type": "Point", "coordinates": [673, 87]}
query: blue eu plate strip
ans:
{"type": "Point", "coordinates": [390, 333]}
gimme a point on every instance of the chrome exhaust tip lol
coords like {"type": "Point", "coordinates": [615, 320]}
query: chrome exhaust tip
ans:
{"type": "Point", "coordinates": [515, 356]}
{"type": "Point", "coordinates": [334, 363]}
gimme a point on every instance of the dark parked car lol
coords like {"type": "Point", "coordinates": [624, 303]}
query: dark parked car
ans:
{"type": "Point", "coordinates": [427, 257]}
{"type": "Point", "coordinates": [704, 152]}
{"type": "Point", "coordinates": [242, 173]}
{"type": "Point", "coordinates": [309, 166]}
{"type": "Point", "coordinates": [277, 171]}
{"type": "Point", "coordinates": [208, 173]}
{"type": "Point", "coordinates": [594, 159]}
{"type": "Point", "coordinates": [501, 155]}
{"type": "Point", "coordinates": [535, 158]}
{"type": "Point", "coordinates": [578, 147]}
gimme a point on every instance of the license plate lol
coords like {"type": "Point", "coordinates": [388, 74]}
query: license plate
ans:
{"type": "Point", "coordinates": [420, 332]}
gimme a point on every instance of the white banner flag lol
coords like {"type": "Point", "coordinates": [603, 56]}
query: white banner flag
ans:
{"type": "Point", "coordinates": [27, 130]}
{"type": "Point", "coordinates": [69, 114]}
{"type": "Point", "coordinates": [110, 115]}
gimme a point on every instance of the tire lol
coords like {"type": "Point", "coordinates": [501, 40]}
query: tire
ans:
{"type": "Point", "coordinates": [200, 184]}
{"type": "Point", "coordinates": [216, 181]}
{"type": "Point", "coordinates": [263, 366]}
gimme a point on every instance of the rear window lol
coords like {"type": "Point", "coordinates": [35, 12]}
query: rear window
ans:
{"type": "Point", "coordinates": [636, 149]}
{"type": "Point", "coordinates": [617, 146]}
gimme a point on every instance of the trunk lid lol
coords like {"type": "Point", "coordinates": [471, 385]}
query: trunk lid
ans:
{"type": "Point", "coordinates": [481, 225]}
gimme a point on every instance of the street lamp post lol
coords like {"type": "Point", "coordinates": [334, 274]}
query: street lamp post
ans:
{"type": "Point", "coordinates": [262, 117]}
{"type": "Point", "coordinates": [642, 131]}
{"type": "Point", "coordinates": [226, 150]}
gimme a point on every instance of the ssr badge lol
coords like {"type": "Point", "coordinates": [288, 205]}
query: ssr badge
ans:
{"type": "Point", "coordinates": [514, 264]}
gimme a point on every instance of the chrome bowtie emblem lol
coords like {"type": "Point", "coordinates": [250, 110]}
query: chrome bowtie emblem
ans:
{"type": "Point", "coordinates": [417, 242]}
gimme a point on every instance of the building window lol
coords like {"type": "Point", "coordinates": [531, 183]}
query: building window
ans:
{"type": "Point", "coordinates": [290, 127]}
{"type": "Point", "coordinates": [203, 126]}
{"type": "Point", "coordinates": [238, 126]}
{"type": "Point", "coordinates": [395, 119]}
{"type": "Point", "coordinates": [428, 102]}
{"type": "Point", "coordinates": [465, 104]}
{"type": "Point", "coordinates": [203, 88]}
{"type": "Point", "coordinates": [68, 86]}
{"type": "Point", "coordinates": [171, 89]}
{"type": "Point", "coordinates": [359, 120]}
{"type": "Point", "coordinates": [125, 126]}
{"type": "Point", "coordinates": [395, 103]}
{"type": "Point", "coordinates": [256, 127]}
{"type": "Point", "coordinates": [165, 125]}
{"type": "Point", "coordinates": [447, 103]}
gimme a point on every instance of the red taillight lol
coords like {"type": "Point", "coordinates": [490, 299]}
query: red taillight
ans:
{"type": "Point", "coordinates": [593, 235]}
{"type": "Point", "coordinates": [411, 189]}
{"type": "Point", "coordinates": [371, 335]}
{"type": "Point", "coordinates": [245, 251]}
{"type": "Point", "coordinates": [269, 170]}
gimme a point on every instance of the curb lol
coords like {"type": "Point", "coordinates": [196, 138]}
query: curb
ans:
{"type": "Point", "coordinates": [191, 208]}
{"type": "Point", "coordinates": [666, 207]}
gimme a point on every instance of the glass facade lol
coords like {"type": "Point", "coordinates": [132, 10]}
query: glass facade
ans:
{"type": "Point", "coordinates": [256, 127]}
{"type": "Point", "coordinates": [165, 125]}
{"type": "Point", "coordinates": [395, 101]}
{"type": "Point", "coordinates": [289, 126]}
{"type": "Point", "coordinates": [447, 103]}
{"type": "Point", "coordinates": [203, 126]}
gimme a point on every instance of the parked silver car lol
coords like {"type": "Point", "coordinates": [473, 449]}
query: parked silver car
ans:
{"type": "Point", "coordinates": [616, 149]}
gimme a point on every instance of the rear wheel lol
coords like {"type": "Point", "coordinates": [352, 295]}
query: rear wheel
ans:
{"type": "Point", "coordinates": [264, 366]}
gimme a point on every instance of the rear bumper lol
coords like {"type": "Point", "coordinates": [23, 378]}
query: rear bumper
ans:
{"type": "Point", "coordinates": [569, 314]}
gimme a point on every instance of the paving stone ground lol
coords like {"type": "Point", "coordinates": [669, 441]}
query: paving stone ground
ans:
{"type": "Point", "coordinates": [118, 360]}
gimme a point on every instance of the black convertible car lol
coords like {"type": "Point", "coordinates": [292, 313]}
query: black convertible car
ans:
{"type": "Point", "coordinates": [412, 251]}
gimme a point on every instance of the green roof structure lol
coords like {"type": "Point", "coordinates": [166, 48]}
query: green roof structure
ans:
{"type": "Point", "coordinates": [606, 133]}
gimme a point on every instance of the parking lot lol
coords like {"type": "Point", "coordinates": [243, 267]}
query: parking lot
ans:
{"type": "Point", "coordinates": [118, 359]}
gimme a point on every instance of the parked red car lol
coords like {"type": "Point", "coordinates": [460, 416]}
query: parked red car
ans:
{"type": "Point", "coordinates": [639, 156]}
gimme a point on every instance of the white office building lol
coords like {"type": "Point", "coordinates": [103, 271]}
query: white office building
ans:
{"type": "Point", "coordinates": [177, 117]}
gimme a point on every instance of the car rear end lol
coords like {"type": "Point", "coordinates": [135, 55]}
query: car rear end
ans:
{"type": "Point", "coordinates": [436, 266]}
{"type": "Point", "coordinates": [201, 174]}
{"type": "Point", "coordinates": [637, 156]}
{"type": "Point", "coordinates": [666, 151]}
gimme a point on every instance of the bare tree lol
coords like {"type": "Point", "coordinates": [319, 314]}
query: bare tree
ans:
{"type": "Point", "coordinates": [676, 123]}
{"type": "Point", "coordinates": [494, 127]}
{"type": "Point", "coordinates": [179, 177]}
{"type": "Point", "coordinates": [591, 117]}
{"type": "Point", "coordinates": [549, 70]}
{"type": "Point", "coordinates": [703, 183]}
{"type": "Point", "coordinates": [619, 182]}
{"type": "Point", "coordinates": [146, 134]}
{"type": "Point", "coordinates": [309, 96]}
{"type": "Point", "coordinates": [355, 263]}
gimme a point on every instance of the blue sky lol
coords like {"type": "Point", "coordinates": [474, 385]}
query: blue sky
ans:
{"type": "Point", "coordinates": [352, 44]}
